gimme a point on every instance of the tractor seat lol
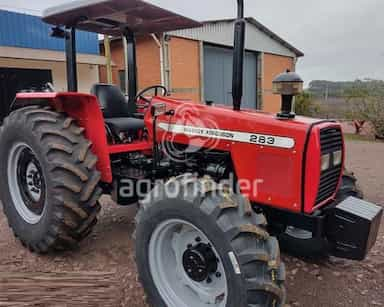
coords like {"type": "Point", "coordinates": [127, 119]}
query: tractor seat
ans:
{"type": "Point", "coordinates": [118, 113]}
{"type": "Point", "coordinates": [125, 124]}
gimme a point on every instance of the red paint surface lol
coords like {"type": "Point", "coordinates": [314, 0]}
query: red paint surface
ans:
{"type": "Point", "coordinates": [278, 171]}
{"type": "Point", "coordinates": [85, 109]}
{"type": "Point", "coordinates": [313, 168]}
{"type": "Point", "coordinates": [136, 146]}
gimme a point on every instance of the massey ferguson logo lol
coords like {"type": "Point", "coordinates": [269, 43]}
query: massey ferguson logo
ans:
{"type": "Point", "coordinates": [202, 135]}
{"type": "Point", "coordinates": [243, 137]}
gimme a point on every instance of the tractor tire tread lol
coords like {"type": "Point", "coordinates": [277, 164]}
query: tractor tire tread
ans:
{"type": "Point", "coordinates": [242, 229]}
{"type": "Point", "coordinates": [75, 181]}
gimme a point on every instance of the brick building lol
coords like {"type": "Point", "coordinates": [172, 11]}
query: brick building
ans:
{"type": "Point", "coordinates": [196, 63]}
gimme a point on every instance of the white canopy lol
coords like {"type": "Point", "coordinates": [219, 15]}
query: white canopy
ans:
{"type": "Point", "coordinates": [112, 16]}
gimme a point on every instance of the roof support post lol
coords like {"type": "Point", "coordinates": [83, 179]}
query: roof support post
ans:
{"type": "Point", "coordinates": [132, 66]}
{"type": "Point", "coordinates": [126, 75]}
{"type": "Point", "coordinates": [70, 53]}
{"type": "Point", "coordinates": [238, 57]}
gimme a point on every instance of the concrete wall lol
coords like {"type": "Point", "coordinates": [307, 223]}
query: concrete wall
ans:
{"type": "Point", "coordinates": [273, 65]}
{"type": "Point", "coordinates": [184, 61]}
{"type": "Point", "coordinates": [117, 54]}
{"type": "Point", "coordinates": [48, 55]}
{"type": "Point", "coordinates": [185, 68]}
{"type": "Point", "coordinates": [148, 62]}
{"type": "Point", "coordinates": [88, 73]}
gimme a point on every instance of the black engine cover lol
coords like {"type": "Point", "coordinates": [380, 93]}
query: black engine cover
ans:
{"type": "Point", "coordinates": [352, 228]}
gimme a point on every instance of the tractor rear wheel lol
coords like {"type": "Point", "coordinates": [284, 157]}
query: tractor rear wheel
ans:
{"type": "Point", "coordinates": [301, 243]}
{"type": "Point", "coordinates": [199, 245]}
{"type": "Point", "coordinates": [50, 183]}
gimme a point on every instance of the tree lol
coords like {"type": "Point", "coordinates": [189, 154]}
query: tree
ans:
{"type": "Point", "coordinates": [304, 104]}
{"type": "Point", "coordinates": [366, 99]}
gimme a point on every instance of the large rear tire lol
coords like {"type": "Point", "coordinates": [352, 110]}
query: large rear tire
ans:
{"type": "Point", "coordinates": [198, 245]}
{"type": "Point", "coordinates": [301, 243]}
{"type": "Point", "coordinates": [50, 183]}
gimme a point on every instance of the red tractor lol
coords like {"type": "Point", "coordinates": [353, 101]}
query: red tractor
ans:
{"type": "Point", "coordinates": [217, 187]}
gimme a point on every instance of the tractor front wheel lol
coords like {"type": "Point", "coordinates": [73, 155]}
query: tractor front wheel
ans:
{"type": "Point", "coordinates": [49, 187]}
{"type": "Point", "coordinates": [198, 245]}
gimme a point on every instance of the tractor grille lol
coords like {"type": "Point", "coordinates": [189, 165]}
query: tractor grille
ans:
{"type": "Point", "coordinates": [331, 141]}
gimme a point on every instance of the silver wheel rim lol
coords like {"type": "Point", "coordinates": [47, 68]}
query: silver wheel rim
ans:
{"type": "Point", "coordinates": [14, 185]}
{"type": "Point", "coordinates": [298, 233]}
{"type": "Point", "coordinates": [35, 195]}
{"type": "Point", "coordinates": [166, 248]}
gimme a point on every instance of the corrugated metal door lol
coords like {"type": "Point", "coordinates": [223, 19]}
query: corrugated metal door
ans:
{"type": "Point", "coordinates": [218, 76]}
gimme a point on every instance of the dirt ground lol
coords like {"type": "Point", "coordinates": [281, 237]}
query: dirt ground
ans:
{"type": "Point", "coordinates": [102, 271]}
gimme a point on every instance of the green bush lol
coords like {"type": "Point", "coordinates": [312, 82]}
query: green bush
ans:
{"type": "Point", "coordinates": [305, 105]}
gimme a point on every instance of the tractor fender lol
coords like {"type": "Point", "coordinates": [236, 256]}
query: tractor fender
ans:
{"type": "Point", "coordinates": [84, 108]}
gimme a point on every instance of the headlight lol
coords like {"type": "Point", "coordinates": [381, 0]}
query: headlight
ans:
{"type": "Point", "coordinates": [325, 162]}
{"type": "Point", "coordinates": [337, 158]}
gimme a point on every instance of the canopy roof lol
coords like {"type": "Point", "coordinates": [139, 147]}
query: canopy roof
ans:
{"type": "Point", "coordinates": [111, 17]}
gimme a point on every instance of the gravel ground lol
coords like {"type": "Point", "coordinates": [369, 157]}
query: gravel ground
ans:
{"type": "Point", "coordinates": [105, 262]}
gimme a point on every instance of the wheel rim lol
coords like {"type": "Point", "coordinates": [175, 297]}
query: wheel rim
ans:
{"type": "Point", "coordinates": [26, 183]}
{"type": "Point", "coordinates": [298, 233]}
{"type": "Point", "coordinates": [183, 267]}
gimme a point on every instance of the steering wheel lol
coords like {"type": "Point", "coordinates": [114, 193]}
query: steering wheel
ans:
{"type": "Point", "coordinates": [141, 96]}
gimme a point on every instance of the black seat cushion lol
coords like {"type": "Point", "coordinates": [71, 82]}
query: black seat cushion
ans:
{"type": "Point", "coordinates": [125, 124]}
{"type": "Point", "coordinates": [118, 113]}
{"type": "Point", "coordinates": [112, 101]}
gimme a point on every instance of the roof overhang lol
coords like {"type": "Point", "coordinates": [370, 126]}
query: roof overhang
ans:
{"type": "Point", "coordinates": [265, 30]}
{"type": "Point", "coordinates": [48, 55]}
{"type": "Point", "coordinates": [112, 17]}
{"type": "Point", "coordinates": [275, 36]}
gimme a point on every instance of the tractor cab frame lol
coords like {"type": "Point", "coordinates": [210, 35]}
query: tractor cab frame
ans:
{"type": "Point", "coordinates": [115, 18]}
{"type": "Point", "coordinates": [128, 19]}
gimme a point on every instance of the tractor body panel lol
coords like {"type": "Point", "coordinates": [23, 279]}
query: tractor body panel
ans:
{"type": "Point", "coordinates": [277, 162]}
{"type": "Point", "coordinates": [271, 157]}
{"type": "Point", "coordinates": [312, 174]}
{"type": "Point", "coordinates": [85, 109]}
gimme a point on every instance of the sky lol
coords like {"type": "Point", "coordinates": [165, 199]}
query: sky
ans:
{"type": "Point", "coordinates": [342, 39]}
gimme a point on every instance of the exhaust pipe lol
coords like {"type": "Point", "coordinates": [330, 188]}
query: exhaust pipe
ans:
{"type": "Point", "coordinates": [238, 57]}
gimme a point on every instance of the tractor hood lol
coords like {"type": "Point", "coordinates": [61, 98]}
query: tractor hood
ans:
{"type": "Point", "coordinates": [224, 118]}
{"type": "Point", "coordinates": [282, 156]}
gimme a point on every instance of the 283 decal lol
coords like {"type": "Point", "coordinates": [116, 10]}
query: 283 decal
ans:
{"type": "Point", "coordinates": [262, 139]}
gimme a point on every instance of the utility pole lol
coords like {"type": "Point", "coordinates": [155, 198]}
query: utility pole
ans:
{"type": "Point", "coordinates": [326, 92]}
